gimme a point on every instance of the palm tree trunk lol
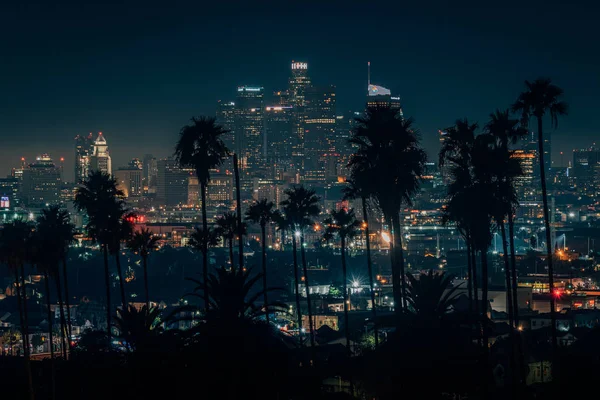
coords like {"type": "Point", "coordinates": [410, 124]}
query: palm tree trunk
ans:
{"type": "Point", "coordinates": [399, 260]}
{"type": "Point", "coordinates": [121, 280]}
{"type": "Point", "coordinates": [513, 261]}
{"type": "Point", "coordinates": [509, 302]}
{"type": "Point", "coordinates": [146, 287]}
{"type": "Point", "coordinates": [24, 336]}
{"type": "Point", "coordinates": [475, 282]}
{"type": "Point", "coordinates": [370, 269]}
{"type": "Point", "coordinates": [549, 248]}
{"type": "Point", "coordinates": [25, 314]}
{"type": "Point", "coordinates": [231, 253]}
{"type": "Point", "coordinates": [297, 284]}
{"type": "Point", "coordinates": [484, 297]}
{"type": "Point", "coordinates": [469, 273]}
{"type": "Point", "coordinates": [63, 321]}
{"type": "Point", "coordinates": [204, 246]}
{"type": "Point", "coordinates": [51, 335]}
{"type": "Point", "coordinates": [395, 277]}
{"type": "Point", "coordinates": [108, 302]}
{"type": "Point", "coordinates": [346, 297]}
{"type": "Point", "coordinates": [263, 230]}
{"type": "Point", "coordinates": [307, 286]}
{"type": "Point", "coordinates": [236, 171]}
{"type": "Point", "coordinates": [67, 301]}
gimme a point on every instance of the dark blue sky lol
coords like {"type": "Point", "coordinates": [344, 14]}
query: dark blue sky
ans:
{"type": "Point", "coordinates": [138, 71]}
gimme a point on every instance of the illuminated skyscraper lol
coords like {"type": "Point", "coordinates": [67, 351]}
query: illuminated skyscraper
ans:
{"type": "Point", "coordinates": [319, 130]}
{"type": "Point", "coordinates": [129, 179]}
{"type": "Point", "coordinates": [281, 140]}
{"type": "Point", "coordinates": [83, 151]}
{"type": "Point", "coordinates": [226, 113]}
{"type": "Point", "coordinates": [378, 96]}
{"type": "Point", "coordinates": [249, 135]}
{"type": "Point", "coordinates": [172, 183]}
{"type": "Point", "coordinates": [41, 183]}
{"type": "Point", "coordinates": [586, 170]}
{"type": "Point", "coordinates": [100, 158]}
{"type": "Point", "coordinates": [299, 82]}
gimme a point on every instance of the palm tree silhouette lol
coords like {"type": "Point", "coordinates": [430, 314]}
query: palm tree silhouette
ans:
{"type": "Point", "coordinates": [200, 147]}
{"type": "Point", "coordinates": [53, 236]}
{"type": "Point", "coordinates": [263, 212]}
{"type": "Point", "coordinates": [542, 98]}
{"type": "Point", "coordinates": [227, 227]}
{"type": "Point", "coordinates": [431, 296]}
{"type": "Point", "coordinates": [102, 201]}
{"type": "Point", "coordinates": [389, 153]}
{"type": "Point", "coordinates": [122, 228]}
{"type": "Point", "coordinates": [300, 207]}
{"type": "Point", "coordinates": [138, 327]}
{"type": "Point", "coordinates": [201, 240]}
{"type": "Point", "coordinates": [14, 251]}
{"type": "Point", "coordinates": [360, 187]}
{"type": "Point", "coordinates": [144, 242]}
{"type": "Point", "coordinates": [343, 224]}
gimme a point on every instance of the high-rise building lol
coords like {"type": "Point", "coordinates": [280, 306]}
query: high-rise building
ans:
{"type": "Point", "coordinates": [83, 151]}
{"type": "Point", "coordinates": [41, 183]}
{"type": "Point", "coordinates": [378, 96]}
{"type": "Point", "coordinates": [9, 192]}
{"type": "Point", "coordinates": [525, 183]}
{"type": "Point", "coordinates": [249, 134]}
{"type": "Point", "coordinates": [226, 114]}
{"type": "Point", "coordinates": [149, 173]}
{"type": "Point", "coordinates": [319, 130]}
{"type": "Point", "coordinates": [129, 179]}
{"type": "Point", "coordinates": [298, 83]}
{"type": "Point", "coordinates": [100, 158]}
{"type": "Point", "coordinates": [281, 139]}
{"type": "Point", "coordinates": [586, 170]}
{"type": "Point", "coordinates": [172, 183]}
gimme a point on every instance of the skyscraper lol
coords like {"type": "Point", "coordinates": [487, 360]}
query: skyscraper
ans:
{"type": "Point", "coordinates": [249, 138]}
{"type": "Point", "coordinates": [9, 192]}
{"type": "Point", "coordinates": [149, 172]}
{"type": "Point", "coordinates": [172, 183]}
{"type": "Point", "coordinates": [586, 170]}
{"type": "Point", "coordinates": [129, 179]}
{"type": "Point", "coordinates": [83, 151]}
{"type": "Point", "coordinates": [281, 139]}
{"type": "Point", "coordinates": [319, 130]}
{"type": "Point", "coordinates": [100, 158]}
{"type": "Point", "coordinates": [298, 82]}
{"type": "Point", "coordinates": [41, 183]}
{"type": "Point", "coordinates": [226, 113]}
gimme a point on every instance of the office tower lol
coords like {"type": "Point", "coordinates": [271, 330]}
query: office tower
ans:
{"type": "Point", "coordinates": [249, 128]}
{"type": "Point", "coordinates": [319, 130]}
{"type": "Point", "coordinates": [129, 179]}
{"type": "Point", "coordinates": [9, 192]}
{"type": "Point", "coordinates": [378, 96]}
{"type": "Point", "coordinates": [226, 113]}
{"type": "Point", "coordinates": [586, 170]}
{"type": "Point", "coordinates": [172, 183]}
{"type": "Point", "coordinates": [41, 183]}
{"type": "Point", "coordinates": [526, 183]}
{"type": "Point", "coordinates": [149, 172]}
{"type": "Point", "coordinates": [100, 158]}
{"type": "Point", "coordinates": [298, 82]}
{"type": "Point", "coordinates": [280, 137]}
{"type": "Point", "coordinates": [83, 150]}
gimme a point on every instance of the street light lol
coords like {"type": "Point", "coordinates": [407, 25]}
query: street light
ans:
{"type": "Point", "coordinates": [386, 237]}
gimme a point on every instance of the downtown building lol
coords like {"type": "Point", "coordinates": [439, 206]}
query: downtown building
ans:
{"type": "Point", "coordinates": [41, 183]}
{"type": "Point", "coordinates": [171, 183]}
{"type": "Point", "coordinates": [586, 171]}
{"type": "Point", "coordinates": [130, 179]}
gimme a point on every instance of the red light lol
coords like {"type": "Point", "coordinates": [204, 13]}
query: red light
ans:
{"type": "Point", "coordinates": [556, 293]}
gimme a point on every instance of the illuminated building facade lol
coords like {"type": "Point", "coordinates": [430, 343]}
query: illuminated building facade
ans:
{"type": "Point", "coordinates": [226, 114]}
{"type": "Point", "coordinates": [298, 83]}
{"type": "Point", "coordinates": [9, 192]}
{"type": "Point", "coordinates": [172, 183]}
{"type": "Point", "coordinates": [83, 151]}
{"type": "Point", "coordinates": [281, 139]}
{"type": "Point", "coordinates": [586, 170]}
{"type": "Point", "coordinates": [149, 173]}
{"type": "Point", "coordinates": [41, 183]}
{"type": "Point", "coordinates": [524, 184]}
{"type": "Point", "coordinates": [249, 134]}
{"type": "Point", "coordinates": [130, 179]}
{"type": "Point", "coordinates": [100, 158]}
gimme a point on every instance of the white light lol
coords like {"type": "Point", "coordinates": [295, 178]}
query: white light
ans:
{"type": "Point", "coordinates": [386, 237]}
{"type": "Point", "coordinates": [297, 233]}
{"type": "Point", "coordinates": [355, 284]}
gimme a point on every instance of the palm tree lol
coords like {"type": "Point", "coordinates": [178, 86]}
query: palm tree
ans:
{"type": "Point", "coordinates": [263, 212]}
{"type": "Point", "coordinates": [541, 98]}
{"type": "Point", "coordinates": [389, 154]}
{"type": "Point", "coordinates": [431, 296]}
{"type": "Point", "coordinates": [55, 233]}
{"type": "Point", "coordinates": [14, 247]}
{"type": "Point", "coordinates": [300, 206]}
{"type": "Point", "coordinates": [123, 230]}
{"type": "Point", "coordinates": [284, 224]}
{"type": "Point", "coordinates": [227, 227]}
{"type": "Point", "coordinates": [343, 224]}
{"type": "Point", "coordinates": [102, 201]}
{"type": "Point", "coordinates": [200, 147]}
{"type": "Point", "coordinates": [144, 242]}
{"type": "Point", "coordinates": [201, 240]}
{"type": "Point", "coordinates": [138, 328]}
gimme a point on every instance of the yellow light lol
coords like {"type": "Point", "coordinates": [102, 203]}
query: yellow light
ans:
{"type": "Point", "coordinates": [386, 237]}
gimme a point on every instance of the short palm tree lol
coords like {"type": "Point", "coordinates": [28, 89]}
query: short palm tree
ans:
{"type": "Point", "coordinates": [300, 207]}
{"type": "Point", "coordinates": [263, 213]}
{"type": "Point", "coordinates": [227, 227]}
{"type": "Point", "coordinates": [389, 154]}
{"type": "Point", "coordinates": [138, 327]}
{"type": "Point", "coordinates": [144, 242]}
{"type": "Point", "coordinates": [201, 240]}
{"type": "Point", "coordinates": [345, 226]}
{"type": "Point", "coordinates": [102, 201]}
{"type": "Point", "coordinates": [540, 98]}
{"type": "Point", "coordinates": [200, 146]}
{"type": "Point", "coordinates": [431, 295]}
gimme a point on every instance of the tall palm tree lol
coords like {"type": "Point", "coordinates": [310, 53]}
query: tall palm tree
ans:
{"type": "Point", "coordinates": [201, 240]}
{"type": "Point", "coordinates": [263, 213]}
{"type": "Point", "coordinates": [227, 227]}
{"type": "Point", "coordinates": [360, 187]}
{"type": "Point", "coordinates": [200, 146]}
{"type": "Point", "coordinates": [122, 231]}
{"type": "Point", "coordinates": [144, 242]}
{"type": "Point", "coordinates": [540, 98]}
{"type": "Point", "coordinates": [300, 207]}
{"type": "Point", "coordinates": [343, 224]}
{"type": "Point", "coordinates": [55, 233]}
{"type": "Point", "coordinates": [14, 243]}
{"type": "Point", "coordinates": [389, 153]}
{"type": "Point", "coordinates": [102, 201]}
{"type": "Point", "coordinates": [284, 224]}
{"type": "Point", "coordinates": [431, 295]}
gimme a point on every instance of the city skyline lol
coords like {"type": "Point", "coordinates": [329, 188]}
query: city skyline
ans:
{"type": "Point", "coordinates": [132, 85]}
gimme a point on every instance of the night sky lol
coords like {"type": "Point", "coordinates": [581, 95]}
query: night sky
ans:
{"type": "Point", "coordinates": [137, 72]}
